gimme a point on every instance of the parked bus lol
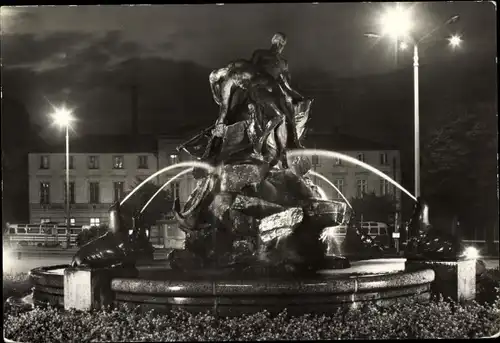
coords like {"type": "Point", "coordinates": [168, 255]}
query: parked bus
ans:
{"type": "Point", "coordinates": [46, 234]}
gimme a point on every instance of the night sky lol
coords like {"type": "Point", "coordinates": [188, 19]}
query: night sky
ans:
{"type": "Point", "coordinates": [87, 56]}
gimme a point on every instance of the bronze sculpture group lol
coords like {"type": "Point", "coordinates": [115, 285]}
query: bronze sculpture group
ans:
{"type": "Point", "coordinates": [259, 210]}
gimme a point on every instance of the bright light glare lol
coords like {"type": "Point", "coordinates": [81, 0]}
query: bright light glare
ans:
{"type": "Point", "coordinates": [396, 22]}
{"type": "Point", "coordinates": [7, 259]}
{"type": "Point", "coordinates": [62, 116]}
{"type": "Point", "coordinates": [403, 46]}
{"type": "Point", "coordinates": [455, 41]}
{"type": "Point", "coordinates": [471, 253]}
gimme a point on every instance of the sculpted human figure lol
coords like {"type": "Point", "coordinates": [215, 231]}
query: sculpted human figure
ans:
{"type": "Point", "coordinates": [272, 61]}
{"type": "Point", "coordinates": [261, 90]}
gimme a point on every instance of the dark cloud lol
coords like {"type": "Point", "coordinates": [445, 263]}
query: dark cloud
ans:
{"type": "Point", "coordinates": [65, 49]}
{"type": "Point", "coordinates": [92, 69]}
{"type": "Point", "coordinates": [23, 49]}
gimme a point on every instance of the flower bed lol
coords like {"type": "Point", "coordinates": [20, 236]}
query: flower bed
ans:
{"type": "Point", "coordinates": [438, 319]}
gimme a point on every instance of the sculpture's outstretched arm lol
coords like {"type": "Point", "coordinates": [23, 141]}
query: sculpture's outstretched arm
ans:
{"type": "Point", "coordinates": [224, 104]}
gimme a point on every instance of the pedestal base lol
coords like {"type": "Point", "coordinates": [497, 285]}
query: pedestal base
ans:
{"type": "Point", "coordinates": [86, 289]}
{"type": "Point", "coordinates": [454, 279]}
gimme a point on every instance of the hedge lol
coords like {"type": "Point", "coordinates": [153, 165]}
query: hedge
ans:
{"type": "Point", "coordinates": [437, 319]}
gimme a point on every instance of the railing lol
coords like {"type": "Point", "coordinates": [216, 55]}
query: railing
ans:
{"type": "Point", "coordinates": [76, 206]}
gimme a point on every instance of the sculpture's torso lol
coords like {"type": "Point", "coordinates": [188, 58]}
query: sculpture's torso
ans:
{"type": "Point", "coordinates": [271, 62]}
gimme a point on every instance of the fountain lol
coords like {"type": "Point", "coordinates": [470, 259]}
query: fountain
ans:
{"type": "Point", "coordinates": [253, 224]}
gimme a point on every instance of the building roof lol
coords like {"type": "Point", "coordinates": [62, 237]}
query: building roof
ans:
{"type": "Point", "coordinates": [102, 144]}
{"type": "Point", "coordinates": [339, 141]}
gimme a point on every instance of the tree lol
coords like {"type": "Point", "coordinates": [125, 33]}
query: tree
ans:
{"type": "Point", "coordinates": [161, 204]}
{"type": "Point", "coordinates": [459, 167]}
{"type": "Point", "coordinates": [374, 208]}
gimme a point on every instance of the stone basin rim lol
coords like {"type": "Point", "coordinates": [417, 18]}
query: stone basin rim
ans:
{"type": "Point", "coordinates": [339, 285]}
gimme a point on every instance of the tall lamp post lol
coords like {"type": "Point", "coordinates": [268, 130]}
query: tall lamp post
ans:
{"type": "Point", "coordinates": [63, 117]}
{"type": "Point", "coordinates": [397, 23]}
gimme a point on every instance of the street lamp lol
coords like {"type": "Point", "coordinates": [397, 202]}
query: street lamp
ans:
{"type": "Point", "coordinates": [397, 23]}
{"type": "Point", "coordinates": [63, 117]}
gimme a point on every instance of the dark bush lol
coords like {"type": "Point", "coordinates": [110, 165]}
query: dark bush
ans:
{"type": "Point", "coordinates": [438, 319]}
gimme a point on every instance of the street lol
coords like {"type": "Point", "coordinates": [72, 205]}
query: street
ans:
{"type": "Point", "coordinates": [34, 258]}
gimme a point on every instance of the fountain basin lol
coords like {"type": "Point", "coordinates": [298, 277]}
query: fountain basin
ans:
{"type": "Point", "coordinates": [382, 281]}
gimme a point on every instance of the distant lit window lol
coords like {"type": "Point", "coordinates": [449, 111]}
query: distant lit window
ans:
{"type": "Point", "coordinates": [118, 190]}
{"type": "Point", "coordinates": [72, 221]}
{"type": "Point", "coordinates": [142, 162]}
{"type": "Point", "coordinates": [45, 193]}
{"type": "Point", "coordinates": [44, 162]}
{"type": "Point", "coordinates": [361, 157]}
{"type": "Point", "coordinates": [383, 159]}
{"type": "Point", "coordinates": [174, 158]}
{"type": "Point", "coordinates": [118, 162]}
{"type": "Point", "coordinates": [385, 187]}
{"type": "Point", "coordinates": [361, 188]}
{"type": "Point", "coordinates": [95, 221]}
{"type": "Point", "coordinates": [339, 183]}
{"type": "Point", "coordinates": [94, 196]}
{"type": "Point", "coordinates": [93, 162]}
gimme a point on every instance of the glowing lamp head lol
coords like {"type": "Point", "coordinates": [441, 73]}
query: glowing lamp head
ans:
{"type": "Point", "coordinates": [396, 22]}
{"type": "Point", "coordinates": [471, 253]}
{"type": "Point", "coordinates": [62, 116]}
{"type": "Point", "coordinates": [455, 41]}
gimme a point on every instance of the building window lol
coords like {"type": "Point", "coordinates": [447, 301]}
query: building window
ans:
{"type": "Point", "coordinates": [339, 183]}
{"type": "Point", "coordinates": [118, 190]}
{"type": "Point", "coordinates": [71, 162]}
{"type": "Point", "coordinates": [94, 192]}
{"type": "Point", "coordinates": [44, 220]}
{"type": "Point", "coordinates": [71, 192]}
{"type": "Point", "coordinates": [44, 193]}
{"type": "Point", "coordinates": [95, 221]}
{"type": "Point", "coordinates": [118, 162]}
{"type": "Point", "coordinates": [71, 221]}
{"type": "Point", "coordinates": [385, 187]}
{"type": "Point", "coordinates": [361, 188]}
{"type": "Point", "coordinates": [383, 159]}
{"type": "Point", "coordinates": [361, 157]}
{"type": "Point", "coordinates": [142, 162]}
{"type": "Point", "coordinates": [338, 162]}
{"type": "Point", "coordinates": [174, 159]}
{"type": "Point", "coordinates": [175, 189]}
{"type": "Point", "coordinates": [44, 162]}
{"type": "Point", "coordinates": [93, 162]}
